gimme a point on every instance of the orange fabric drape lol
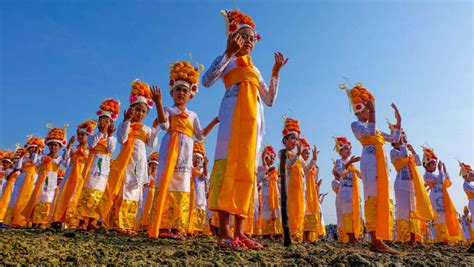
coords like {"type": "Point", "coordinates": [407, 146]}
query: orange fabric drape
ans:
{"type": "Point", "coordinates": [117, 171]}
{"type": "Point", "coordinates": [74, 178]}
{"type": "Point", "coordinates": [178, 124]}
{"type": "Point", "coordinates": [273, 189]}
{"type": "Point", "coordinates": [238, 181]}
{"type": "Point", "coordinates": [424, 210]}
{"type": "Point", "coordinates": [296, 208]}
{"type": "Point", "coordinates": [450, 213]}
{"type": "Point", "coordinates": [383, 191]}
{"type": "Point", "coordinates": [7, 194]}
{"type": "Point", "coordinates": [355, 200]}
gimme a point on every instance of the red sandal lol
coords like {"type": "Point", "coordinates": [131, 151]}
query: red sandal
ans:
{"type": "Point", "coordinates": [232, 244]}
{"type": "Point", "coordinates": [249, 243]}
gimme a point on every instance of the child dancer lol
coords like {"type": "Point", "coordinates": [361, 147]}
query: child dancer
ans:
{"type": "Point", "coordinates": [199, 181]}
{"type": "Point", "coordinates": [373, 165]}
{"type": "Point", "coordinates": [446, 223]}
{"type": "Point", "coordinates": [97, 167]}
{"type": "Point", "coordinates": [74, 160]}
{"type": "Point", "coordinates": [468, 175]}
{"type": "Point", "coordinates": [143, 216]}
{"type": "Point", "coordinates": [295, 181]}
{"type": "Point", "coordinates": [349, 193]}
{"type": "Point", "coordinates": [410, 193]}
{"type": "Point", "coordinates": [9, 175]}
{"type": "Point", "coordinates": [38, 209]}
{"type": "Point", "coordinates": [119, 204]}
{"type": "Point", "coordinates": [311, 219]}
{"type": "Point", "coordinates": [242, 125]}
{"type": "Point", "coordinates": [172, 197]}
{"type": "Point", "coordinates": [24, 185]}
{"type": "Point", "coordinates": [267, 176]}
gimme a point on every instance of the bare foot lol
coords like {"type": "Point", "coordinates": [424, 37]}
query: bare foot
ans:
{"type": "Point", "coordinates": [379, 246]}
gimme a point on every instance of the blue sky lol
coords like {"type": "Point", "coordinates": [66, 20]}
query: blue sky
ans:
{"type": "Point", "coordinates": [59, 60]}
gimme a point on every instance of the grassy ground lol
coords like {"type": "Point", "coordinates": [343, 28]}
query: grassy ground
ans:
{"type": "Point", "coordinates": [31, 246]}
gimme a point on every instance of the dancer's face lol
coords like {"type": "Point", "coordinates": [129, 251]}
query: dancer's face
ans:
{"type": "Point", "coordinates": [305, 154]}
{"type": "Point", "coordinates": [181, 94]}
{"type": "Point", "coordinates": [269, 160]}
{"type": "Point", "coordinates": [431, 167]}
{"type": "Point", "coordinates": [54, 147]}
{"type": "Point", "coordinates": [363, 115]}
{"type": "Point", "coordinates": [249, 37]}
{"type": "Point", "coordinates": [141, 109]}
{"type": "Point", "coordinates": [197, 160]}
{"type": "Point", "coordinates": [345, 152]}
{"type": "Point", "coordinates": [290, 141]}
{"type": "Point", "coordinates": [82, 138]}
{"type": "Point", "coordinates": [152, 167]}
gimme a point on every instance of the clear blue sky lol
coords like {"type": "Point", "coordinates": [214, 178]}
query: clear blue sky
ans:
{"type": "Point", "coordinates": [60, 59]}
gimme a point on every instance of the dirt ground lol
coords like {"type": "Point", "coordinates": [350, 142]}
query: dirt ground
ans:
{"type": "Point", "coordinates": [31, 246]}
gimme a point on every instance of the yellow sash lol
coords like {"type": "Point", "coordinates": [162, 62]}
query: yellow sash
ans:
{"type": "Point", "coordinates": [46, 166]}
{"type": "Point", "coordinates": [273, 189]}
{"type": "Point", "coordinates": [383, 191]}
{"type": "Point", "coordinates": [238, 181]}
{"type": "Point", "coordinates": [117, 171]}
{"type": "Point", "coordinates": [145, 219]}
{"type": "Point", "coordinates": [78, 159]}
{"type": "Point", "coordinates": [312, 202]}
{"type": "Point", "coordinates": [296, 197]}
{"type": "Point", "coordinates": [178, 124]}
{"type": "Point", "coordinates": [450, 213]}
{"type": "Point", "coordinates": [355, 200]}
{"type": "Point", "coordinates": [7, 194]}
{"type": "Point", "coordinates": [424, 210]}
{"type": "Point", "coordinates": [192, 201]}
{"type": "Point", "coordinates": [25, 193]}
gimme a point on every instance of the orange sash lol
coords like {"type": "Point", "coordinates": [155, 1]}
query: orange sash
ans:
{"type": "Point", "coordinates": [236, 189]}
{"type": "Point", "coordinates": [450, 213]}
{"type": "Point", "coordinates": [145, 218]}
{"type": "Point", "coordinates": [383, 191]}
{"type": "Point", "coordinates": [295, 201]}
{"type": "Point", "coordinates": [424, 210]}
{"type": "Point", "coordinates": [273, 189]}
{"type": "Point", "coordinates": [192, 201]}
{"type": "Point", "coordinates": [7, 194]}
{"type": "Point", "coordinates": [355, 200]}
{"type": "Point", "coordinates": [178, 124]}
{"type": "Point", "coordinates": [78, 159]}
{"type": "Point", "coordinates": [312, 202]}
{"type": "Point", "coordinates": [117, 171]}
{"type": "Point", "coordinates": [25, 193]}
{"type": "Point", "coordinates": [46, 166]}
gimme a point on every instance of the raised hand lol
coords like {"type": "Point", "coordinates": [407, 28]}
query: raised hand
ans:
{"type": "Point", "coordinates": [410, 147]}
{"type": "Point", "coordinates": [315, 153]}
{"type": "Point", "coordinates": [156, 95]}
{"type": "Point", "coordinates": [155, 123]}
{"type": "Point", "coordinates": [298, 148]}
{"type": "Point", "coordinates": [129, 114]}
{"type": "Point", "coordinates": [397, 115]}
{"type": "Point", "coordinates": [370, 105]}
{"type": "Point", "coordinates": [71, 141]}
{"type": "Point", "coordinates": [206, 161]}
{"type": "Point", "coordinates": [111, 129]}
{"type": "Point", "coordinates": [280, 61]}
{"type": "Point", "coordinates": [354, 159]}
{"type": "Point", "coordinates": [235, 42]}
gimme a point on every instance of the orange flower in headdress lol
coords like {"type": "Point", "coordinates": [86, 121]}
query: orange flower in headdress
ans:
{"type": "Point", "coordinates": [8, 156]}
{"type": "Point", "coordinates": [341, 142]}
{"type": "Point", "coordinates": [291, 127]}
{"type": "Point", "coordinates": [304, 144]}
{"type": "Point", "coordinates": [57, 135]}
{"type": "Point", "coordinates": [141, 93]}
{"type": "Point", "coordinates": [87, 126]}
{"type": "Point", "coordinates": [268, 151]}
{"type": "Point", "coordinates": [465, 171]}
{"type": "Point", "coordinates": [109, 108]}
{"type": "Point", "coordinates": [236, 20]}
{"type": "Point", "coordinates": [35, 142]}
{"type": "Point", "coordinates": [61, 173]}
{"type": "Point", "coordinates": [183, 73]}
{"type": "Point", "coordinates": [2, 154]}
{"type": "Point", "coordinates": [198, 149]}
{"type": "Point", "coordinates": [428, 156]}
{"type": "Point", "coordinates": [358, 95]}
{"type": "Point", "coordinates": [153, 158]}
